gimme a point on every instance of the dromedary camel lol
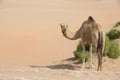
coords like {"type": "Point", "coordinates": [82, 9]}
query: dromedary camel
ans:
{"type": "Point", "coordinates": [90, 32]}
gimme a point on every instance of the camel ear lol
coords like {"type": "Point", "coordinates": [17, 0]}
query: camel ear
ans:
{"type": "Point", "coordinates": [66, 25]}
{"type": "Point", "coordinates": [61, 25]}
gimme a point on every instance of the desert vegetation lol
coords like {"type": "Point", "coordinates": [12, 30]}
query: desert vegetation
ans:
{"type": "Point", "coordinates": [113, 34]}
{"type": "Point", "coordinates": [78, 53]}
{"type": "Point", "coordinates": [117, 24]}
{"type": "Point", "coordinates": [112, 48]}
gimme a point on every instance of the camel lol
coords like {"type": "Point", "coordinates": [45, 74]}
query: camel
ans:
{"type": "Point", "coordinates": [90, 32]}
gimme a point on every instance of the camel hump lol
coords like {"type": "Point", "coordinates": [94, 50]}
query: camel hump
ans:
{"type": "Point", "coordinates": [91, 19]}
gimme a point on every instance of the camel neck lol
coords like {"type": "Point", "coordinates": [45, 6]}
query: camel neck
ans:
{"type": "Point", "coordinates": [72, 36]}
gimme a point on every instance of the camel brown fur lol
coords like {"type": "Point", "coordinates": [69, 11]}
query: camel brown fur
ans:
{"type": "Point", "coordinates": [90, 32]}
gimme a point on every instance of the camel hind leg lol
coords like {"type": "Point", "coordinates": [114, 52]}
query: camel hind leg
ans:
{"type": "Point", "coordinates": [100, 49]}
{"type": "Point", "coordinates": [99, 61]}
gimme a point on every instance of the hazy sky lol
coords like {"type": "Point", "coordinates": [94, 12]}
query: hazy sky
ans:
{"type": "Point", "coordinates": [52, 12]}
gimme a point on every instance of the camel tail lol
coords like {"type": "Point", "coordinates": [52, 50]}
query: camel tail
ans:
{"type": "Point", "coordinates": [100, 42]}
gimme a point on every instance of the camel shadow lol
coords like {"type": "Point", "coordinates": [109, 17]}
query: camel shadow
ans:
{"type": "Point", "coordinates": [74, 60]}
{"type": "Point", "coordinates": [71, 59]}
{"type": "Point", "coordinates": [61, 66]}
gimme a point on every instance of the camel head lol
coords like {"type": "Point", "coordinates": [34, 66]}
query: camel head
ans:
{"type": "Point", "coordinates": [63, 27]}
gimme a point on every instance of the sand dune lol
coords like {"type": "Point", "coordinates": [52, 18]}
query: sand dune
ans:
{"type": "Point", "coordinates": [30, 37]}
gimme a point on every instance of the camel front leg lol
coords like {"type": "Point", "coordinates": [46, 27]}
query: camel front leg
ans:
{"type": "Point", "coordinates": [91, 64]}
{"type": "Point", "coordinates": [84, 56]}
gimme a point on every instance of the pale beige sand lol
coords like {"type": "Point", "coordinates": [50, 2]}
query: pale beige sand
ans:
{"type": "Point", "coordinates": [66, 70]}
{"type": "Point", "coordinates": [30, 35]}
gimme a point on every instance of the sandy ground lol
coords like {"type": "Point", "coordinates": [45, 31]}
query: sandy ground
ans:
{"type": "Point", "coordinates": [68, 69]}
{"type": "Point", "coordinates": [32, 46]}
{"type": "Point", "coordinates": [40, 74]}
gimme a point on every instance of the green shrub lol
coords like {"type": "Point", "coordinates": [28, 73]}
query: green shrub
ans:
{"type": "Point", "coordinates": [113, 34]}
{"type": "Point", "coordinates": [114, 50]}
{"type": "Point", "coordinates": [80, 56]}
{"type": "Point", "coordinates": [79, 52]}
{"type": "Point", "coordinates": [117, 24]}
{"type": "Point", "coordinates": [107, 45]}
{"type": "Point", "coordinates": [79, 47]}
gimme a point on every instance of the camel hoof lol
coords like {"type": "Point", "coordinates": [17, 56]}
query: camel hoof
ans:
{"type": "Point", "coordinates": [82, 69]}
{"type": "Point", "coordinates": [91, 66]}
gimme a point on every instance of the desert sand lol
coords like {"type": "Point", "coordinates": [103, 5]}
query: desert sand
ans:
{"type": "Point", "coordinates": [32, 46]}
